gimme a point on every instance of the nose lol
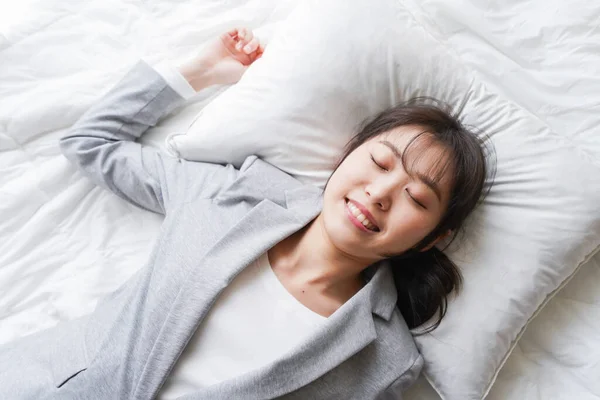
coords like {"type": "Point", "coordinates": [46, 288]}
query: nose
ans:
{"type": "Point", "coordinates": [379, 194]}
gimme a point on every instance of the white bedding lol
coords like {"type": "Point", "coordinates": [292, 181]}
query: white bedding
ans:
{"type": "Point", "coordinates": [545, 56]}
{"type": "Point", "coordinates": [64, 242]}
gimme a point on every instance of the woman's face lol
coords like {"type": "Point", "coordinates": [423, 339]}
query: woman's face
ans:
{"type": "Point", "coordinates": [401, 207]}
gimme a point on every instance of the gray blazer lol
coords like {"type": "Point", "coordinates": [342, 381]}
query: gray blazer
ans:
{"type": "Point", "coordinates": [217, 221]}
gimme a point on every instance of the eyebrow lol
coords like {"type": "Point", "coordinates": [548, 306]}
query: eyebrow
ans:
{"type": "Point", "coordinates": [425, 179]}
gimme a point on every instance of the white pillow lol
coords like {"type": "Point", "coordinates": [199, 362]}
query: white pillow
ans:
{"type": "Point", "coordinates": [332, 65]}
{"type": "Point", "coordinates": [327, 68]}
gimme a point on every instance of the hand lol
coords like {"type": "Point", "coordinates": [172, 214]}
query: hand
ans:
{"type": "Point", "coordinates": [224, 60]}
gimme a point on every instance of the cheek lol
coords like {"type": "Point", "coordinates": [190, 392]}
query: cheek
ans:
{"type": "Point", "coordinates": [412, 227]}
{"type": "Point", "coordinates": [332, 192]}
{"type": "Point", "coordinates": [332, 204]}
{"type": "Point", "coordinates": [352, 167]}
{"type": "Point", "coordinates": [341, 182]}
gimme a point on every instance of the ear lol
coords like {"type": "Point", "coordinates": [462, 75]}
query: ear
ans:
{"type": "Point", "coordinates": [441, 237]}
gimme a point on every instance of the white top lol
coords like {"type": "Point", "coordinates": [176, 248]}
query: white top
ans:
{"type": "Point", "coordinates": [253, 322]}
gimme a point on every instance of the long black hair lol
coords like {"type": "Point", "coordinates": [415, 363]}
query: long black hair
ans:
{"type": "Point", "coordinates": [425, 279]}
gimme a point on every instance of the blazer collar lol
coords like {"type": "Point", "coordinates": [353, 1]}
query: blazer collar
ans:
{"type": "Point", "coordinates": [381, 290]}
{"type": "Point", "coordinates": [258, 180]}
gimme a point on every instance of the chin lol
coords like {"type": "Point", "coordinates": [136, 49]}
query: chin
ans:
{"type": "Point", "coordinates": [342, 236]}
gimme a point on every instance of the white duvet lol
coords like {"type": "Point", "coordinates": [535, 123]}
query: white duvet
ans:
{"type": "Point", "coordinates": [64, 243]}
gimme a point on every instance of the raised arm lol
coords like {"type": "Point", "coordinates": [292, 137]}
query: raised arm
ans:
{"type": "Point", "coordinates": [102, 143]}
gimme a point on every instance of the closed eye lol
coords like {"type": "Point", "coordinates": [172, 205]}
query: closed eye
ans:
{"type": "Point", "coordinates": [376, 163]}
{"type": "Point", "coordinates": [415, 200]}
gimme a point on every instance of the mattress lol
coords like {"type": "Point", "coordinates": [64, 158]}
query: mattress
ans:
{"type": "Point", "coordinates": [64, 243]}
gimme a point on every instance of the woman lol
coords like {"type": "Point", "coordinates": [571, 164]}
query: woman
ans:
{"type": "Point", "coordinates": [259, 286]}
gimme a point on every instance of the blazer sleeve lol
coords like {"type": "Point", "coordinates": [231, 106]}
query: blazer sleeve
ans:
{"type": "Point", "coordinates": [102, 144]}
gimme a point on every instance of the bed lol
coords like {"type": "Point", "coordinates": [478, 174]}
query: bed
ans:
{"type": "Point", "coordinates": [64, 243]}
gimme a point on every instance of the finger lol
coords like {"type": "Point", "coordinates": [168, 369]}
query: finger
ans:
{"type": "Point", "coordinates": [229, 38]}
{"type": "Point", "coordinates": [245, 35]}
{"type": "Point", "coordinates": [232, 33]}
{"type": "Point", "coordinates": [257, 54]}
{"type": "Point", "coordinates": [260, 50]}
{"type": "Point", "coordinates": [251, 46]}
{"type": "Point", "coordinates": [248, 35]}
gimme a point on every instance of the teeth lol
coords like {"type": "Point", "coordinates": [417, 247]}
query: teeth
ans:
{"type": "Point", "coordinates": [360, 216]}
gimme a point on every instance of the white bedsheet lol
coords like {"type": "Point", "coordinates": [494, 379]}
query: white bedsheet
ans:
{"type": "Point", "coordinates": [64, 243]}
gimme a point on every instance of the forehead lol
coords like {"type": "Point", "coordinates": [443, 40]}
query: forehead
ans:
{"type": "Point", "coordinates": [422, 154]}
{"type": "Point", "coordinates": [403, 135]}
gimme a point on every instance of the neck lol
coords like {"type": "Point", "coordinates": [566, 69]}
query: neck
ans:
{"type": "Point", "coordinates": [310, 256]}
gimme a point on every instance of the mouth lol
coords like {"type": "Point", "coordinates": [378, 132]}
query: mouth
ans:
{"type": "Point", "coordinates": [360, 217]}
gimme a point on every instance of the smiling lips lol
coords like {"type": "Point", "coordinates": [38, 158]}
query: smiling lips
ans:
{"type": "Point", "coordinates": [362, 215]}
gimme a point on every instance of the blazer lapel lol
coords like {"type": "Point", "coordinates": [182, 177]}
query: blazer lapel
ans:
{"type": "Point", "coordinates": [346, 332]}
{"type": "Point", "coordinates": [260, 229]}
